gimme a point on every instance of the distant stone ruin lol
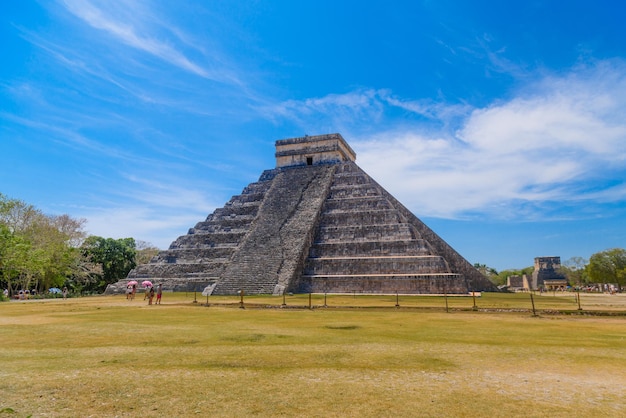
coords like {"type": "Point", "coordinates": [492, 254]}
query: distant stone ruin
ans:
{"type": "Point", "coordinates": [546, 276]}
{"type": "Point", "coordinates": [315, 223]}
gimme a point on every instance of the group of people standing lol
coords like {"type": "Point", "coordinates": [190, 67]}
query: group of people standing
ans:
{"type": "Point", "coordinates": [131, 290]}
{"type": "Point", "coordinates": [150, 292]}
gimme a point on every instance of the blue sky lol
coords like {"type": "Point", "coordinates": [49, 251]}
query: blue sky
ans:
{"type": "Point", "coordinates": [499, 124]}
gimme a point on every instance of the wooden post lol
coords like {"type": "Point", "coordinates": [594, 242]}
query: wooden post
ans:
{"type": "Point", "coordinates": [532, 301]}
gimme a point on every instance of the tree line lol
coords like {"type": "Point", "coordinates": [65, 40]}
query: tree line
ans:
{"type": "Point", "coordinates": [39, 252]}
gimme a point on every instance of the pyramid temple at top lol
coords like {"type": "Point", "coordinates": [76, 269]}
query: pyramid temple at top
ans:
{"type": "Point", "coordinates": [315, 223]}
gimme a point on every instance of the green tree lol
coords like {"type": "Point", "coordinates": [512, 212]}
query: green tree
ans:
{"type": "Point", "coordinates": [16, 214]}
{"type": "Point", "coordinates": [86, 276]}
{"type": "Point", "coordinates": [115, 256]}
{"type": "Point", "coordinates": [505, 274]}
{"type": "Point", "coordinates": [488, 272]}
{"type": "Point", "coordinates": [56, 255]}
{"type": "Point", "coordinates": [16, 260]}
{"type": "Point", "coordinates": [145, 252]}
{"type": "Point", "coordinates": [608, 266]}
{"type": "Point", "coordinates": [22, 262]}
{"type": "Point", "coordinates": [36, 250]}
{"type": "Point", "coordinates": [575, 270]}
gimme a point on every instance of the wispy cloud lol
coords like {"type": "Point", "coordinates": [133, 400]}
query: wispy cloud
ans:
{"type": "Point", "coordinates": [67, 137]}
{"type": "Point", "coordinates": [148, 207]}
{"type": "Point", "coordinates": [112, 53]}
{"type": "Point", "coordinates": [363, 103]}
{"type": "Point", "coordinates": [120, 21]}
{"type": "Point", "coordinates": [151, 224]}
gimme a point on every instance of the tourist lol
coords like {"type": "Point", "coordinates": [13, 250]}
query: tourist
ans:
{"type": "Point", "coordinates": [64, 292]}
{"type": "Point", "coordinates": [129, 289]}
{"type": "Point", "coordinates": [159, 293]}
{"type": "Point", "coordinates": [150, 295]}
{"type": "Point", "coordinates": [133, 291]}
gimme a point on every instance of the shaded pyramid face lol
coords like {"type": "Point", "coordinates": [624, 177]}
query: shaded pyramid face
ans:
{"type": "Point", "coordinates": [316, 223]}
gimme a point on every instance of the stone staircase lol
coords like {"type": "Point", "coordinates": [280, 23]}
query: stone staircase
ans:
{"type": "Point", "coordinates": [267, 260]}
{"type": "Point", "coordinates": [199, 258]}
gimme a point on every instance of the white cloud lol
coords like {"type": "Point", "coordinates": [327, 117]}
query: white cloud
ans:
{"type": "Point", "coordinates": [154, 225]}
{"type": "Point", "coordinates": [149, 210]}
{"type": "Point", "coordinates": [579, 116]}
{"type": "Point", "coordinates": [431, 109]}
{"type": "Point", "coordinates": [336, 109]}
{"type": "Point", "coordinates": [559, 140]}
{"type": "Point", "coordinates": [133, 24]}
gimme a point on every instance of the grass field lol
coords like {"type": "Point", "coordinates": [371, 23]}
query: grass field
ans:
{"type": "Point", "coordinates": [105, 356]}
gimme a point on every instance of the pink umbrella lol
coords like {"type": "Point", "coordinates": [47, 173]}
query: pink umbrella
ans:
{"type": "Point", "coordinates": [132, 282]}
{"type": "Point", "coordinates": [146, 283]}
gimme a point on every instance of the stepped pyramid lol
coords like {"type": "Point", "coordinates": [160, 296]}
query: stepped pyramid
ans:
{"type": "Point", "coordinates": [315, 223]}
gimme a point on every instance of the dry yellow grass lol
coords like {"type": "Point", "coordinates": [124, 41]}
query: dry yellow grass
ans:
{"type": "Point", "coordinates": [104, 356]}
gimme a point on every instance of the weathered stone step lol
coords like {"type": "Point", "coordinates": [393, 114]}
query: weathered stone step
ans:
{"type": "Point", "coordinates": [380, 232]}
{"type": "Point", "coordinates": [361, 190]}
{"type": "Point", "coordinates": [376, 275]}
{"type": "Point", "coordinates": [239, 223]}
{"type": "Point", "coordinates": [361, 218]}
{"type": "Point", "coordinates": [383, 283]}
{"type": "Point", "coordinates": [176, 270]}
{"type": "Point", "coordinates": [208, 254]}
{"type": "Point", "coordinates": [358, 203]}
{"type": "Point", "coordinates": [207, 240]}
{"type": "Point", "coordinates": [376, 265]}
{"type": "Point", "coordinates": [235, 211]}
{"type": "Point", "coordinates": [258, 186]}
{"type": "Point", "coordinates": [370, 248]}
{"type": "Point", "coordinates": [242, 199]}
{"type": "Point", "coordinates": [350, 179]}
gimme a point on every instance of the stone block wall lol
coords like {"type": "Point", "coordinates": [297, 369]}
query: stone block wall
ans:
{"type": "Point", "coordinates": [313, 150]}
{"type": "Point", "coordinates": [410, 284]}
{"type": "Point", "coordinates": [366, 244]}
{"type": "Point", "coordinates": [475, 280]}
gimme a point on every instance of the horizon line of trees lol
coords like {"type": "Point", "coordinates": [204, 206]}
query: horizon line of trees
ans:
{"type": "Point", "coordinates": [39, 252]}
